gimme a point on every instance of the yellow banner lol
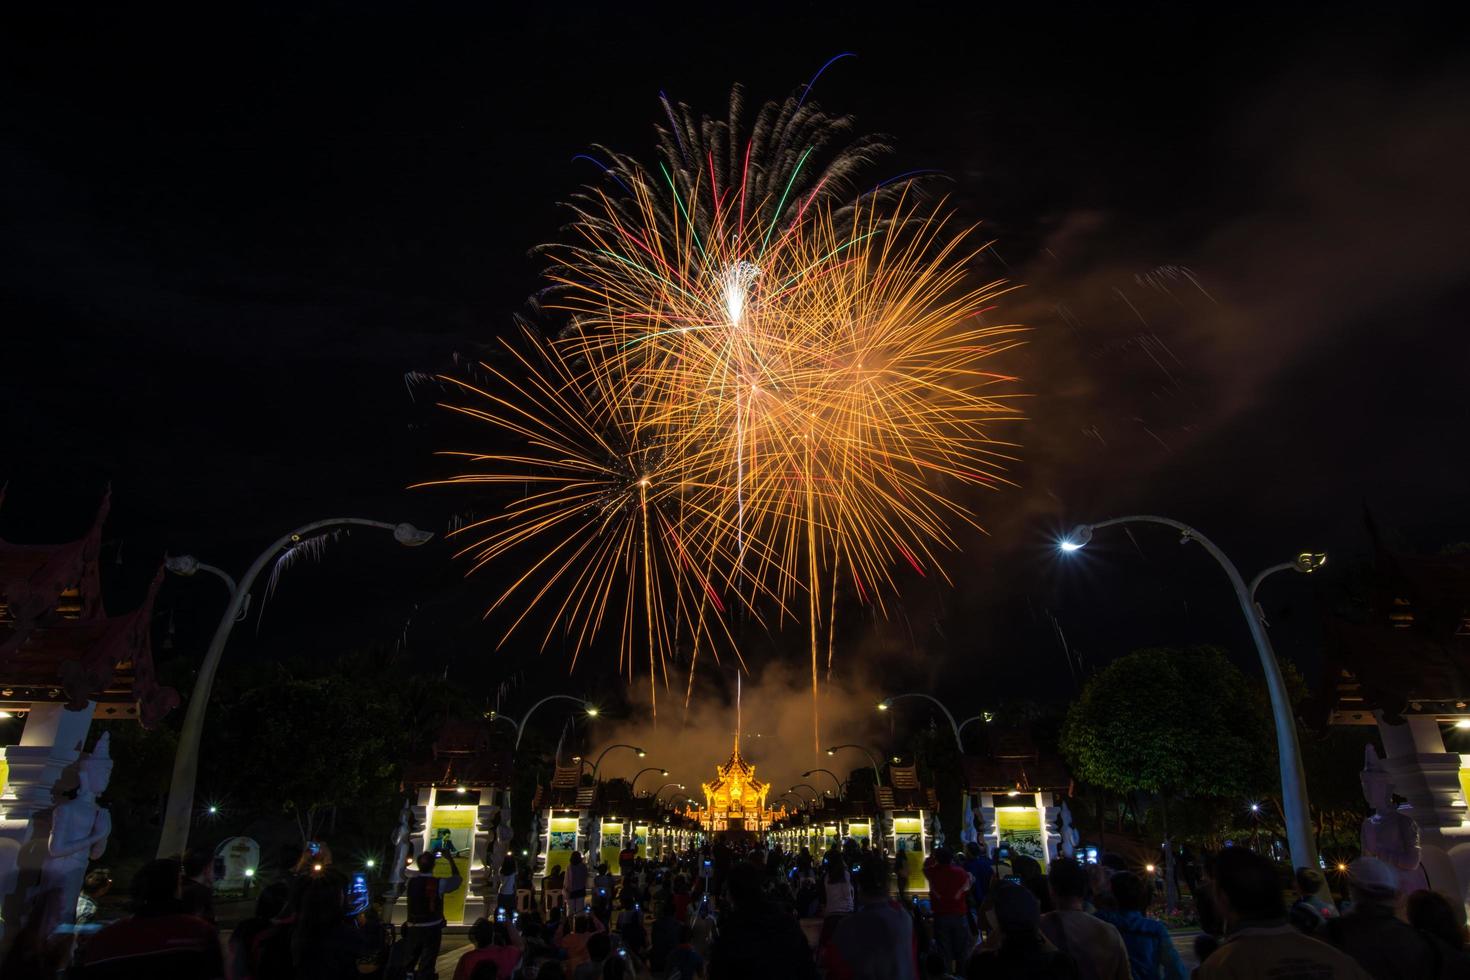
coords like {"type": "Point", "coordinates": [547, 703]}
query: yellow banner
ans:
{"type": "Point", "coordinates": [452, 833]}
{"type": "Point", "coordinates": [1020, 828]}
{"type": "Point", "coordinates": [909, 835]}
{"type": "Point", "coordinates": [562, 842]}
{"type": "Point", "coordinates": [612, 846]}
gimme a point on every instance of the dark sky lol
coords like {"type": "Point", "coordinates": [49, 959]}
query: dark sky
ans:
{"type": "Point", "coordinates": [1242, 233]}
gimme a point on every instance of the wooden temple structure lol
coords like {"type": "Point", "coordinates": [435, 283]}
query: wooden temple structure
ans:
{"type": "Point", "coordinates": [459, 804]}
{"type": "Point", "coordinates": [1012, 796]}
{"type": "Point", "coordinates": [63, 661]}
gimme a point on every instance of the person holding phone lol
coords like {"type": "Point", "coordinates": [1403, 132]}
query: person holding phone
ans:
{"type": "Point", "coordinates": [949, 893]}
{"type": "Point", "coordinates": [424, 930]}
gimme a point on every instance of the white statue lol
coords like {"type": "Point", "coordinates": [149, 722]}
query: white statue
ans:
{"type": "Point", "coordinates": [1390, 835]}
{"type": "Point", "coordinates": [402, 842]}
{"type": "Point", "coordinates": [79, 831]}
{"type": "Point", "coordinates": [1068, 834]}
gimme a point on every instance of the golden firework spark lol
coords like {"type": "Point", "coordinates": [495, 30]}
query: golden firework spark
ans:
{"type": "Point", "coordinates": [757, 400]}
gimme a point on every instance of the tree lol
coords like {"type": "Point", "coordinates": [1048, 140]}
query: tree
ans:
{"type": "Point", "coordinates": [1168, 722]}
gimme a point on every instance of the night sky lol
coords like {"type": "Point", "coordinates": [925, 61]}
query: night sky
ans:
{"type": "Point", "coordinates": [1242, 235]}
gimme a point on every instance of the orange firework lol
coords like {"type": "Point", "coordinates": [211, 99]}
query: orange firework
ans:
{"type": "Point", "coordinates": [755, 400]}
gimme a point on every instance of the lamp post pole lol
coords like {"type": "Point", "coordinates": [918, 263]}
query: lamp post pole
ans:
{"type": "Point", "coordinates": [830, 775]}
{"type": "Point", "coordinates": [877, 776]}
{"type": "Point", "coordinates": [179, 810]}
{"type": "Point", "coordinates": [966, 815]}
{"type": "Point", "coordinates": [1294, 804]}
{"type": "Point", "coordinates": [633, 785]}
{"type": "Point", "coordinates": [520, 726]}
{"type": "Point", "coordinates": [615, 745]}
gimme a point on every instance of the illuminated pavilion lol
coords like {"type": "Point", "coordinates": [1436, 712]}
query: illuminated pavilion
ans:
{"type": "Point", "coordinates": [736, 800]}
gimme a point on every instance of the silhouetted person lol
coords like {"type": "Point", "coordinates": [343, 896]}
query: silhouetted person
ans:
{"type": "Point", "coordinates": [157, 940]}
{"type": "Point", "coordinates": [1259, 941]}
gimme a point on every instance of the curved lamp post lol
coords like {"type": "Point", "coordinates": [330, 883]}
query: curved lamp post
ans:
{"type": "Point", "coordinates": [966, 814]}
{"type": "Point", "coordinates": [801, 801]}
{"type": "Point", "coordinates": [180, 806]}
{"type": "Point", "coordinates": [633, 784]}
{"type": "Point", "coordinates": [958, 728]}
{"type": "Point", "coordinates": [877, 776]}
{"type": "Point", "coordinates": [1299, 836]}
{"type": "Point", "coordinates": [615, 745]}
{"type": "Point", "coordinates": [665, 786]}
{"type": "Point", "coordinates": [830, 774]}
{"type": "Point", "coordinates": [816, 793]}
{"type": "Point", "coordinates": [520, 726]}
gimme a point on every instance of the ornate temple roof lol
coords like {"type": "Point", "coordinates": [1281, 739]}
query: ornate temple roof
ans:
{"type": "Point", "coordinates": [1397, 636]}
{"type": "Point", "coordinates": [462, 755]}
{"type": "Point", "coordinates": [1014, 763]}
{"type": "Point", "coordinates": [57, 642]}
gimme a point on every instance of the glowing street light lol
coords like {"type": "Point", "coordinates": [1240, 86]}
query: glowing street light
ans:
{"type": "Point", "coordinates": [615, 745]}
{"type": "Point", "coordinates": [877, 776]}
{"type": "Point", "coordinates": [588, 708]}
{"type": "Point", "coordinates": [633, 783]}
{"type": "Point", "coordinates": [957, 727]}
{"type": "Point", "coordinates": [1294, 805]}
{"type": "Point", "coordinates": [179, 809]}
{"type": "Point", "coordinates": [830, 774]}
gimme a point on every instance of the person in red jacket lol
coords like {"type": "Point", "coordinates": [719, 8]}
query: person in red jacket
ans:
{"type": "Point", "coordinates": [949, 890]}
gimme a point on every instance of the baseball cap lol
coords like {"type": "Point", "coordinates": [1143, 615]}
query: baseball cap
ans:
{"type": "Point", "coordinates": [1371, 875]}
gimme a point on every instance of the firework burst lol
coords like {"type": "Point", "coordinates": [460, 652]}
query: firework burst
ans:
{"type": "Point", "coordinates": [767, 389]}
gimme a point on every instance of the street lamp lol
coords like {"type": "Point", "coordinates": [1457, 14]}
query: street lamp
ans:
{"type": "Point", "coordinates": [801, 801]}
{"type": "Point", "coordinates": [615, 745]}
{"type": "Point", "coordinates": [830, 774]}
{"type": "Point", "coordinates": [665, 786]}
{"type": "Point", "coordinates": [959, 727]}
{"type": "Point", "coordinates": [1294, 804]}
{"type": "Point", "coordinates": [877, 776]}
{"type": "Point", "coordinates": [816, 793]}
{"type": "Point", "coordinates": [179, 808]}
{"type": "Point", "coordinates": [520, 726]}
{"type": "Point", "coordinates": [634, 783]}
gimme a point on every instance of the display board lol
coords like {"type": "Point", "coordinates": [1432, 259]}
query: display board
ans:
{"type": "Point", "coordinates": [1020, 828]}
{"type": "Point", "coordinates": [452, 833]}
{"type": "Point", "coordinates": [640, 839]}
{"type": "Point", "coordinates": [908, 833]}
{"type": "Point", "coordinates": [612, 844]}
{"type": "Point", "coordinates": [561, 842]}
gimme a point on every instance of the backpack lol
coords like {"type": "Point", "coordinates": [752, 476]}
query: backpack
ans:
{"type": "Point", "coordinates": [425, 905]}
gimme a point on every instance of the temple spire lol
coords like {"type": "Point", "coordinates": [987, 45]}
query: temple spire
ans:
{"type": "Point", "coordinates": [737, 715]}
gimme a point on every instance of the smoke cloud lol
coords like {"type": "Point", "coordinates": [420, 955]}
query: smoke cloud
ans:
{"type": "Point", "coordinates": [776, 733]}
